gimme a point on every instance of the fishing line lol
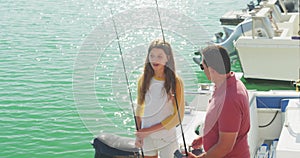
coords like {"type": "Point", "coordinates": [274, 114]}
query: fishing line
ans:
{"type": "Point", "coordinates": [174, 91]}
{"type": "Point", "coordinates": [125, 73]}
{"type": "Point", "coordinates": [161, 28]}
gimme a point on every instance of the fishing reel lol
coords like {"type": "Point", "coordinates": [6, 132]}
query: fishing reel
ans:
{"type": "Point", "coordinates": [178, 154]}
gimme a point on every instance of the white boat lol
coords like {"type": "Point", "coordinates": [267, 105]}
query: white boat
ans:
{"type": "Point", "coordinates": [271, 49]}
{"type": "Point", "coordinates": [245, 25]}
{"type": "Point", "coordinates": [234, 17]}
{"type": "Point", "coordinates": [274, 132]}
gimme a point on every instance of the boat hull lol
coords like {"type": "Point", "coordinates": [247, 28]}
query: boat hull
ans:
{"type": "Point", "coordinates": [270, 59]}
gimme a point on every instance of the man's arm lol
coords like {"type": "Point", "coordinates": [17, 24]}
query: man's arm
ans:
{"type": "Point", "coordinates": [224, 146]}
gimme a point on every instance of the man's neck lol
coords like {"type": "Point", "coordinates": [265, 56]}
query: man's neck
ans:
{"type": "Point", "coordinates": [220, 79]}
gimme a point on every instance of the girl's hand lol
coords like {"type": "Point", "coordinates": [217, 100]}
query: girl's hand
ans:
{"type": "Point", "coordinates": [139, 142]}
{"type": "Point", "coordinates": [142, 133]}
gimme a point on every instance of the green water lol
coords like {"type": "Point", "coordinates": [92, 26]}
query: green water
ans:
{"type": "Point", "coordinates": [44, 111]}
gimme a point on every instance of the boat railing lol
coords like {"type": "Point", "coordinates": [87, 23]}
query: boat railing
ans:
{"type": "Point", "coordinates": [200, 97]}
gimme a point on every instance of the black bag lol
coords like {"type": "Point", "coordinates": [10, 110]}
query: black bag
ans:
{"type": "Point", "coordinates": [110, 146]}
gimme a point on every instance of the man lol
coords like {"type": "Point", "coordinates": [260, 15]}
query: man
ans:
{"type": "Point", "coordinates": [227, 121]}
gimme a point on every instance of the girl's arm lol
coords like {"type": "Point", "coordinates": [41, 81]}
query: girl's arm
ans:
{"type": "Point", "coordinates": [173, 120]}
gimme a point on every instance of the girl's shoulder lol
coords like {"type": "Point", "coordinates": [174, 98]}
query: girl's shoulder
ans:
{"type": "Point", "coordinates": [140, 78]}
{"type": "Point", "coordinates": [178, 78]}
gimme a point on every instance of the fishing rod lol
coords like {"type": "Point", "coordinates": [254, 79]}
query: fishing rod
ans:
{"type": "Point", "coordinates": [161, 28]}
{"type": "Point", "coordinates": [126, 78]}
{"type": "Point", "coordinates": [177, 153]}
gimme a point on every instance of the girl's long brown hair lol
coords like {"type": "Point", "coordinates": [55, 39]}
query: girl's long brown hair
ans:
{"type": "Point", "coordinates": [169, 70]}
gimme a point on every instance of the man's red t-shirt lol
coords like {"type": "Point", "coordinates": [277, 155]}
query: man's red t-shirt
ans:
{"type": "Point", "coordinates": [228, 111]}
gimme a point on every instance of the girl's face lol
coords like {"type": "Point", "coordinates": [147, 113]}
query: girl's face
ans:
{"type": "Point", "coordinates": [158, 59]}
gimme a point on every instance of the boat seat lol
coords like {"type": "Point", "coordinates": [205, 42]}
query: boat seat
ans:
{"type": "Point", "coordinates": [272, 102]}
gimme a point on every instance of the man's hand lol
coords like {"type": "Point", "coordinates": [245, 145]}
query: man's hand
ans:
{"type": "Point", "coordinates": [191, 155]}
{"type": "Point", "coordinates": [197, 143]}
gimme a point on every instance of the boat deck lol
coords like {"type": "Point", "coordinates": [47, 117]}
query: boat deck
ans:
{"type": "Point", "coordinates": [189, 126]}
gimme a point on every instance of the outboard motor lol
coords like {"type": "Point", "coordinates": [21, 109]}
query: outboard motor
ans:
{"type": "Point", "coordinates": [111, 146]}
